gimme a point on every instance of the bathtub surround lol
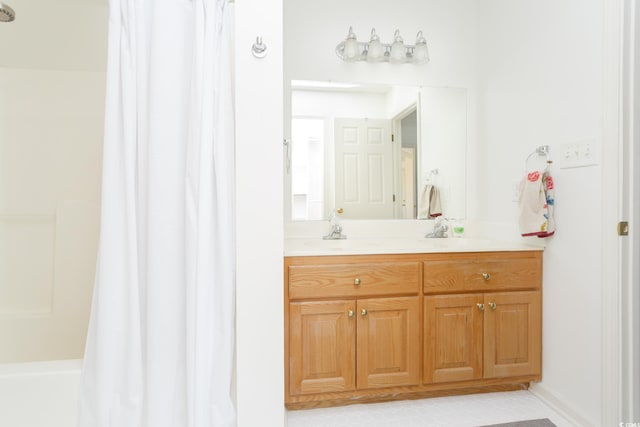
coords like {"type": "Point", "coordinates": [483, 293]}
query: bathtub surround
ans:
{"type": "Point", "coordinates": [52, 83]}
{"type": "Point", "coordinates": [161, 336]}
{"type": "Point", "coordinates": [39, 393]}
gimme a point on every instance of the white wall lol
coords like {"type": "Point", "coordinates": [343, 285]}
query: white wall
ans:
{"type": "Point", "coordinates": [540, 83]}
{"type": "Point", "coordinates": [314, 28]}
{"type": "Point", "coordinates": [259, 213]}
{"type": "Point", "coordinates": [337, 104]}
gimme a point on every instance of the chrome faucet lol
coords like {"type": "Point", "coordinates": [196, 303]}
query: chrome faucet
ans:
{"type": "Point", "coordinates": [336, 228]}
{"type": "Point", "coordinates": [440, 228]}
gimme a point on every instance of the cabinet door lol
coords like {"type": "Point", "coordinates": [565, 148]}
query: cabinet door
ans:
{"type": "Point", "coordinates": [321, 347]}
{"type": "Point", "coordinates": [512, 334]}
{"type": "Point", "coordinates": [388, 342]}
{"type": "Point", "coordinates": [453, 338]}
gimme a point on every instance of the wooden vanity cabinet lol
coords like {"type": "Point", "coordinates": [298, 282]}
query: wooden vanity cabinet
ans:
{"type": "Point", "coordinates": [483, 316]}
{"type": "Point", "coordinates": [388, 342]}
{"type": "Point", "coordinates": [337, 346]}
{"type": "Point", "coordinates": [512, 334]}
{"type": "Point", "coordinates": [379, 327]}
{"type": "Point", "coordinates": [453, 338]}
{"type": "Point", "coordinates": [475, 336]}
{"type": "Point", "coordinates": [322, 347]}
{"type": "Point", "coordinates": [369, 338]}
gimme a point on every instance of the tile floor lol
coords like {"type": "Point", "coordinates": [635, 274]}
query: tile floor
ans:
{"type": "Point", "coordinates": [457, 411]}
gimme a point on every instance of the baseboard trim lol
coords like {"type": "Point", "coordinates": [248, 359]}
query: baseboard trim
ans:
{"type": "Point", "coordinates": [555, 403]}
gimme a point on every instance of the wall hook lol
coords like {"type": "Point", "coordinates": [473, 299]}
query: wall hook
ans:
{"type": "Point", "coordinates": [259, 49]}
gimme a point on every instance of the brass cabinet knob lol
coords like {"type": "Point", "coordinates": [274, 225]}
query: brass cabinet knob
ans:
{"type": "Point", "coordinates": [480, 306]}
{"type": "Point", "coordinates": [351, 313]}
{"type": "Point", "coordinates": [486, 276]}
{"type": "Point", "coordinates": [364, 312]}
{"type": "Point", "coordinates": [492, 305]}
{"type": "Point", "coordinates": [357, 281]}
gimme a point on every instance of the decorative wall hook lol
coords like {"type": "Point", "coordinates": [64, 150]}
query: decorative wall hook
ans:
{"type": "Point", "coordinates": [259, 49]}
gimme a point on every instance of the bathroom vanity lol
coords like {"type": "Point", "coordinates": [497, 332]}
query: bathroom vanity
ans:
{"type": "Point", "coordinates": [404, 321]}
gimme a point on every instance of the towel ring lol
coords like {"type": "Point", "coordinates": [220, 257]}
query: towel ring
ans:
{"type": "Point", "coordinates": [432, 174]}
{"type": "Point", "coordinates": [542, 150]}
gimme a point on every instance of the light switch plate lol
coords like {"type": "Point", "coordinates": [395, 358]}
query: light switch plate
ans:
{"type": "Point", "coordinates": [578, 154]}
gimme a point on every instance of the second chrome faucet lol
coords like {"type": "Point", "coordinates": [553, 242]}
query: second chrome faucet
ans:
{"type": "Point", "coordinates": [440, 228]}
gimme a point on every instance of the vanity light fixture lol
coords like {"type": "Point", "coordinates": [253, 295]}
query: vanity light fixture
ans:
{"type": "Point", "coordinates": [351, 50]}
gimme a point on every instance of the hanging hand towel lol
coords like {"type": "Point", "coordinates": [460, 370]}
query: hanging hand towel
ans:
{"type": "Point", "coordinates": [549, 194]}
{"type": "Point", "coordinates": [536, 205]}
{"type": "Point", "coordinates": [429, 205]}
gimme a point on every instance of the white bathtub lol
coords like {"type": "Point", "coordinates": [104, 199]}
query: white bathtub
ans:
{"type": "Point", "coordinates": [39, 394]}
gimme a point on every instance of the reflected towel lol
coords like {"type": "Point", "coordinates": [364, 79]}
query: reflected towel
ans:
{"type": "Point", "coordinates": [429, 205]}
{"type": "Point", "coordinates": [536, 204]}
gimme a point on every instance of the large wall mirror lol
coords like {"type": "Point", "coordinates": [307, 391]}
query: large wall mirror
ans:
{"type": "Point", "coordinates": [375, 151]}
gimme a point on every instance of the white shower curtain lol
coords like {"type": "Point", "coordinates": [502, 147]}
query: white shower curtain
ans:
{"type": "Point", "coordinates": [160, 345]}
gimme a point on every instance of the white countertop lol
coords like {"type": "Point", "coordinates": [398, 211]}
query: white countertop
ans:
{"type": "Point", "coordinates": [372, 246]}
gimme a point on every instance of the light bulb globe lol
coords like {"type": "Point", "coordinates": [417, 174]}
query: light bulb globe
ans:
{"type": "Point", "coordinates": [398, 52]}
{"type": "Point", "coordinates": [351, 50]}
{"type": "Point", "coordinates": [376, 51]}
{"type": "Point", "coordinates": [421, 54]}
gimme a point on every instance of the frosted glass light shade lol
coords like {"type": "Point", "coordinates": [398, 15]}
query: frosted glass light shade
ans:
{"type": "Point", "coordinates": [420, 52]}
{"type": "Point", "coordinates": [376, 49]}
{"type": "Point", "coordinates": [351, 48]}
{"type": "Point", "coordinates": [398, 51]}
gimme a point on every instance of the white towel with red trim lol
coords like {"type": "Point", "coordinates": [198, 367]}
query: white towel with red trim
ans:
{"type": "Point", "coordinates": [429, 205]}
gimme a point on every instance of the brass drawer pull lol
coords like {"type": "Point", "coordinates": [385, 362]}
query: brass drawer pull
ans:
{"type": "Point", "coordinates": [364, 312]}
{"type": "Point", "coordinates": [486, 276]}
{"type": "Point", "coordinates": [492, 305]}
{"type": "Point", "coordinates": [351, 313]}
{"type": "Point", "coordinates": [480, 306]}
{"type": "Point", "coordinates": [357, 281]}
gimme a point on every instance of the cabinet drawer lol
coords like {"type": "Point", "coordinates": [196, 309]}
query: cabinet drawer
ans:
{"type": "Point", "coordinates": [483, 272]}
{"type": "Point", "coordinates": [341, 280]}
